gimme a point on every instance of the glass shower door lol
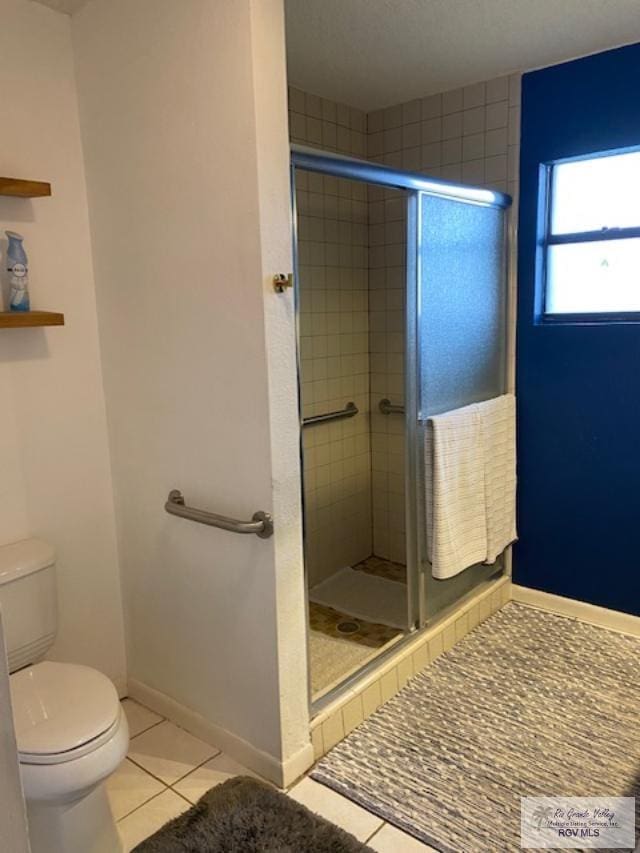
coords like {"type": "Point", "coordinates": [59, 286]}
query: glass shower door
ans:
{"type": "Point", "coordinates": [457, 312]}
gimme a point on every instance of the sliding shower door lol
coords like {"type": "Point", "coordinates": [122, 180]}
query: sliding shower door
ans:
{"type": "Point", "coordinates": [401, 298]}
{"type": "Point", "coordinates": [350, 287]}
{"type": "Point", "coordinates": [457, 322]}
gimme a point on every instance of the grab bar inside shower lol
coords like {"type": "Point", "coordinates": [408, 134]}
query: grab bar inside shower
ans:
{"type": "Point", "coordinates": [389, 408]}
{"type": "Point", "coordinates": [261, 522]}
{"type": "Point", "coordinates": [348, 412]}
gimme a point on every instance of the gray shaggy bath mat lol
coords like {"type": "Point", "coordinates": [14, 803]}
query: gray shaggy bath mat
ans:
{"type": "Point", "coordinates": [247, 816]}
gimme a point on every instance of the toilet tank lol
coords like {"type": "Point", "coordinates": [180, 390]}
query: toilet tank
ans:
{"type": "Point", "coordinates": [28, 600]}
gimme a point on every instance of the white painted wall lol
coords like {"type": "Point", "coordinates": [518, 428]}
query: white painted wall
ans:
{"type": "Point", "coordinates": [183, 109]}
{"type": "Point", "coordinates": [13, 818]}
{"type": "Point", "coordinates": [55, 479]}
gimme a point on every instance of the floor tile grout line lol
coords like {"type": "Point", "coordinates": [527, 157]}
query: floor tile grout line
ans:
{"type": "Point", "coordinates": [148, 772]}
{"type": "Point", "coordinates": [148, 729]}
{"type": "Point", "coordinates": [140, 805]}
{"type": "Point", "coordinates": [182, 797]}
{"type": "Point", "coordinates": [155, 797]}
{"type": "Point", "coordinates": [197, 767]}
{"type": "Point", "coordinates": [184, 776]}
{"type": "Point", "coordinates": [144, 708]}
{"type": "Point", "coordinates": [375, 831]}
{"type": "Point", "coordinates": [137, 808]}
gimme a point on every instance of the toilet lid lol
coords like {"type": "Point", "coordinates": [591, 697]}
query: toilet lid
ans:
{"type": "Point", "coordinates": [58, 707]}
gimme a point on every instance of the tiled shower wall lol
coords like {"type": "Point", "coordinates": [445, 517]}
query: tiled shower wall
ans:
{"type": "Point", "coordinates": [470, 135]}
{"type": "Point", "coordinates": [387, 271]}
{"type": "Point", "coordinates": [333, 288]}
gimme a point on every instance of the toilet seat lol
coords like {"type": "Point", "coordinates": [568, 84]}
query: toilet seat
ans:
{"type": "Point", "coordinates": [62, 711]}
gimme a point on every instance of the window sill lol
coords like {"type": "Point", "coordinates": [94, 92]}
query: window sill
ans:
{"type": "Point", "coordinates": [589, 319]}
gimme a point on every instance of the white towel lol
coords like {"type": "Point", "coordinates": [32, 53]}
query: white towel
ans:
{"type": "Point", "coordinates": [456, 516]}
{"type": "Point", "coordinates": [498, 422]}
{"type": "Point", "coordinates": [470, 465]}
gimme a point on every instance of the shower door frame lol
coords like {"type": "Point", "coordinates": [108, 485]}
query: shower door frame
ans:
{"type": "Point", "coordinates": [413, 184]}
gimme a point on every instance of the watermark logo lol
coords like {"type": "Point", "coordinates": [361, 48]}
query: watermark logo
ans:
{"type": "Point", "coordinates": [577, 822]}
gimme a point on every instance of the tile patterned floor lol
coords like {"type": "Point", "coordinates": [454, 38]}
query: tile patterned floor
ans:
{"type": "Point", "coordinates": [336, 654]}
{"type": "Point", "coordinates": [327, 621]}
{"type": "Point", "coordinates": [167, 770]}
{"type": "Point", "coordinates": [382, 568]}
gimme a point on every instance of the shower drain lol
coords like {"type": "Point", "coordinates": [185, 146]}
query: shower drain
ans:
{"type": "Point", "coordinates": [348, 627]}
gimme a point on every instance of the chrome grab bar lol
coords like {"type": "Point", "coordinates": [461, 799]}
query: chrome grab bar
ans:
{"type": "Point", "coordinates": [261, 523]}
{"type": "Point", "coordinates": [388, 408]}
{"type": "Point", "coordinates": [348, 412]}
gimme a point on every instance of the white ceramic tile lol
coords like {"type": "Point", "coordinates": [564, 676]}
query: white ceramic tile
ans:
{"type": "Point", "coordinates": [139, 718]}
{"type": "Point", "coordinates": [332, 806]}
{"type": "Point", "coordinates": [375, 121]}
{"type": "Point", "coordinates": [296, 100]}
{"type": "Point", "coordinates": [352, 714]}
{"type": "Point", "coordinates": [411, 111]}
{"type": "Point", "coordinates": [129, 787]}
{"type": "Point", "coordinates": [421, 657]}
{"type": "Point", "coordinates": [214, 772]}
{"type": "Point", "coordinates": [317, 741]}
{"type": "Point", "coordinates": [431, 107]}
{"type": "Point", "coordinates": [497, 115]}
{"type": "Point", "coordinates": [144, 821]}
{"type": "Point", "coordinates": [332, 730]}
{"type": "Point", "coordinates": [515, 88]}
{"type": "Point", "coordinates": [391, 840]}
{"type": "Point", "coordinates": [498, 89]}
{"type": "Point", "coordinates": [452, 101]}
{"type": "Point", "coordinates": [389, 684]}
{"type": "Point", "coordinates": [473, 121]}
{"type": "Point", "coordinates": [474, 96]}
{"type": "Point", "coordinates": [496, 141]}
{"type": "Point", "coordinates": [371, 699]}
{"type": "Point", "coordinates": [405, 670]}
{"type": "Point", "coordinates": [169, 752]}
{"type": "Point", "coordinates": [514, 125]}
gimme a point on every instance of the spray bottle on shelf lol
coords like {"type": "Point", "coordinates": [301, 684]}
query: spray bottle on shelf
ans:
{"type": "Point", "coordinates": [17, 265]}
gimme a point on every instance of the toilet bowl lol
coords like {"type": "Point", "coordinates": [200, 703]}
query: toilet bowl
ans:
{"type": "Point", "coordinates": [71, 732]}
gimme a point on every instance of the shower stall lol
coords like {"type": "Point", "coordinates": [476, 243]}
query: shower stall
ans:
{"type": "Point", "coordinates": [401, 294]}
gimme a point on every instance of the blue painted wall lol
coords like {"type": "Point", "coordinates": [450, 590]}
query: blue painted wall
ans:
{"type": "Point", "coordinates": [578, 386]}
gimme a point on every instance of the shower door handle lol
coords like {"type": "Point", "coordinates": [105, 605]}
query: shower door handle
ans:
{"type": "Point", "coordinates": [261, 523]}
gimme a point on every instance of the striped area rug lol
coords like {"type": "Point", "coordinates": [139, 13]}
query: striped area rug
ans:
{"type": "Point", "coordinates": [528, 704]}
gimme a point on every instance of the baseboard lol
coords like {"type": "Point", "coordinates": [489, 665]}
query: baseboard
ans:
{"type": "Point", "coordinates": [281, 773]}
{"type": "Point", "coordinates": [614, 620]}
{"type": "Point", "coordinates": [120, 683]}
{"type": "Point", "coordinates": [297, 765]}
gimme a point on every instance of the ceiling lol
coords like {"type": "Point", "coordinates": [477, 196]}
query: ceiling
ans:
{"type": "Point", "coordinates": [68, 6]}
{"type": "Point", "coordinates": [375, 53]}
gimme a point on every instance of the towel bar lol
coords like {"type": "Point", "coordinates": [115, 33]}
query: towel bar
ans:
{"type": "Point", "coordinates": [261, 523]}
{"type": "Point", "coordinates": [388, 408]}
{"type": "Point", "coordinates": [348, 412]}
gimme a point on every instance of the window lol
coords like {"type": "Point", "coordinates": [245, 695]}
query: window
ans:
{"type": "Point", "coordinates": [591, 244]}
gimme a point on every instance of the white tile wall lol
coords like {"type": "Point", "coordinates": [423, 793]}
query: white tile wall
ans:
{"type": "Point", "coordinates": [334, 324]}
{"type": "Point", "coordinates": [387, 271]}
{"type": "Point", "coordinates": [353, 243]}
{"type": "Point", "coordinates": [470, 134]}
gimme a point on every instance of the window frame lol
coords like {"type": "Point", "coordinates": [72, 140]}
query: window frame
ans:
{"type": "Point", "coordinates": [547, 239]}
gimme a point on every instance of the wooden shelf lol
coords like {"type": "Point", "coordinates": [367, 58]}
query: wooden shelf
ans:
{"type": "Point", "coordinates": [24, 189]}
{"type": "Point", "coordinates": [27, 319]}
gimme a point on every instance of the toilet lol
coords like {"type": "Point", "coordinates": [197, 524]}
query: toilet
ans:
{"type": "Point", "coordinates": [70, 728]}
